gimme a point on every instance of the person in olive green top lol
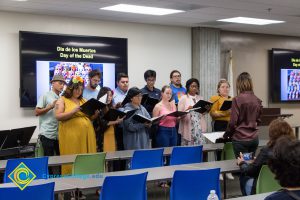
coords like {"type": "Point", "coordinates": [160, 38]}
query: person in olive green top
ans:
{"type": "Point", "coordinates": [220, 118]}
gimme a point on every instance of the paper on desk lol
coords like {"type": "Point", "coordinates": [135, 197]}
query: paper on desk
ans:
{"type": "Point", "coordinates": [213, 136]}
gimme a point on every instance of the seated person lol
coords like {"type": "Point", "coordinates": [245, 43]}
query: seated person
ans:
{"type": "Point", "coordinates": [250, 171]}
{"type": "Point", "coordinates": [285, 164]}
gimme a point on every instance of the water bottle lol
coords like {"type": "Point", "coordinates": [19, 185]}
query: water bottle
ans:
{"type": "Point", "coordinates": [212, 195]}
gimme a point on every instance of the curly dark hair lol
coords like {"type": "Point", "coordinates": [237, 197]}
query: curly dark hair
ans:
{"type": "Point", "coordinates": [190, 82]}
{"type": "Point", "coordinates": [278, 128]}
{"type": "Point", "coordinates": [285, 163]}
{"type": "Point", "coordinates": [71, 87]}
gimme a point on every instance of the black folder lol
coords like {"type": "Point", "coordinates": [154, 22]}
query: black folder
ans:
{"type": "Point", "coordinates": [113, 114]}
{"type": "Point", "coordinates": [201, 106]}
{"type": "Point", "coordinates": [149, 101]}
{"type": "Point", "coordinates": [143, 119]}
{"type": "Point", "coordinates": [226, 105]}
{"type": "Point", "coordinates": [177, 113]}
{"type": "Point", "coordinates": [91, 106]}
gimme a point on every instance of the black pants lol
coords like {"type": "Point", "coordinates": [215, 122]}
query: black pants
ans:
{"type": "Point", "coordinates": [51, 147]}
{"type": "Point", "coordinates": [220, 125]}
{"type": "Point", "coordinates": [244, 146]}
{"type": "Point", "coordinates": [119, 165]}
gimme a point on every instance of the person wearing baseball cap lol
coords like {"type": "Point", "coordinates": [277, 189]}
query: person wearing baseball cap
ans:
{"type": "Point", "coordinates": [48, 125]}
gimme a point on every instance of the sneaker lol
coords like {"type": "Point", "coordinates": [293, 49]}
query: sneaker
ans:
{"type": "Point", "coordinates": [221, 177]}
{"type": "Point", "coordinates": [229, 176]}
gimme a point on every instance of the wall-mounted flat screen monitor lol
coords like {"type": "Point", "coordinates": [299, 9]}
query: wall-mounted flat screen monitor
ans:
{"type": "Point", "coordinates": [42, 55]}
{"type": "Point", "coordinates": [284, 80]}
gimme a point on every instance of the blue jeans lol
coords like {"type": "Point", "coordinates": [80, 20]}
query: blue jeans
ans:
{"type": "Point", "coordinates": [246, 184]}
{"type": "Point", "coordinates": [166, 137]}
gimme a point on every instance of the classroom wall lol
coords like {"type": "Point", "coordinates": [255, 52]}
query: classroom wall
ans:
{"type": "Point", "coordinates": [162, 48]}
{"type": "Point", "coordinates": [250, 53]}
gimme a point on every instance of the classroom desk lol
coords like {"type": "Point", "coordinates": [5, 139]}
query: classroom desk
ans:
{"type": "Point", "coordinates": [253, 197]}
{"type": "Point", "coordinates": [154, 174]}
{"type": "Point", "coordinates": [60, 186]}
{"type": "Point", "coordinates": [110, 156]}
{"type": "Point", "coordinates": [122, 155]}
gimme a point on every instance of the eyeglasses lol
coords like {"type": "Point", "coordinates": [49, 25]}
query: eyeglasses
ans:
{"type": "Point", "coordinates": [176, 76]}
{"type": "Point", "coordinates": [95, 80]}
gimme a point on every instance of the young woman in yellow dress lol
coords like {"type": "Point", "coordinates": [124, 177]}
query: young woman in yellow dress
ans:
{"type": "Point", "coordinates": [75, 132]}
{"type": "Point", "coordinates": [105, 130]}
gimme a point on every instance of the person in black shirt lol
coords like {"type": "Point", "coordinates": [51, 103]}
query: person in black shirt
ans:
{"type": "Point", "coordinates": [150, 78]}
{"type": "Point", "coordinates": [250, 171]}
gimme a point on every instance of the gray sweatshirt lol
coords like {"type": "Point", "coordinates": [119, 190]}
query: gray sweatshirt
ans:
{"type": "Point", "coordinates": [135, 134]}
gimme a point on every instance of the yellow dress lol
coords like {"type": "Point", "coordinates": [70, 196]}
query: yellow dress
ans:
{"type": "Point", "coordinates": [109, 141]}
{"type": "Point", "coordinates": [76, 135]}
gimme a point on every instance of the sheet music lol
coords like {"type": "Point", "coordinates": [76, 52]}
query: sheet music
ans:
{"type": "Point", "coordinates": [103, 99]}
{"type": "Point", "coordinates": [213, 136]}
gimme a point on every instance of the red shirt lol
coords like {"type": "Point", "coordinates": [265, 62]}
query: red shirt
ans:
{"type": "Point", "coordinates": [245, 115]}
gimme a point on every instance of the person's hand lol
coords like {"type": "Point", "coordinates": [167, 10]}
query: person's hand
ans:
{"type": "Point", "coordinates": [96, 114]}
{"type": "Point", "coordinates": [76, 109]}
{"type": "Point", "coordinates": [240, 159]}
{"type": "Point", "coordinates": [190, 107]}
{"type": "Point", "coordinates": [148, 124]}
{"type": "Point", "coordinates": [118, 105]}
{"type": "Point", "coordinates": [120, 120]}
{"type": "Point", "coordinates": [51, 105]}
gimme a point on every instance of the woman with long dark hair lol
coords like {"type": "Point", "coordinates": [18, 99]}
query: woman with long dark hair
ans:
{"type": "Point", "coordinates": [105, 130]}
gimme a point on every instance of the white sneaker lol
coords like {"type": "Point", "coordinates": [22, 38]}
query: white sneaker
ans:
{"type": "Point", "coordinates": [221, 177]}
{"type": "Point", "coordinates": [229, 176]}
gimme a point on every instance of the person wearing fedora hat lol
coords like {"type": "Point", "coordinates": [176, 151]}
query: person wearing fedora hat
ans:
{"type": "Point", "coordinates": [48, 125]}
{"type": "Point", "coordinates": [136, 134]}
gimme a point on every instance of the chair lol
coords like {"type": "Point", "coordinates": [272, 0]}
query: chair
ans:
{"type": "Point", "coordinates": [195, 184]}
{"type": "Point", "coordinates": [227, 152]}
{"type": "Point", "coordinates": [36, 192]}
{"type": "Point", "coordinates": [89, 164]}
{"type": "Point", "coordinates": [131, 187]}
{"type": "Point", "coordinates": [39, 166]}
{"type": "Point", "coordinates": [266, 181]}
{"type": "Point", "coordinates": [147, 158]}
{"type": "Point", "coordinates": [186, 155]}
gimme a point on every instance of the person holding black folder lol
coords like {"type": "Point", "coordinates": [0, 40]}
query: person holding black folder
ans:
{"type": "Point", "coordinates": [220, 117]}
{"type": "Point", "coordinates": [75, 132]}
{"type": "Point", "coordinates": [136, 134]}
{"type": "Point", "coordinates": [153, 94]}
{"type": "Point", "coordinates": [192, 125]}
{"type": "Point", "coordinates": [166, 135]}
{"type": "Point", "coordinates": [105, 129]}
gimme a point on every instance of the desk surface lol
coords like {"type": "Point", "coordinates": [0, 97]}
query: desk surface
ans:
{"type": "Point", "coordinates": [121, 155]}
{"type": "Point", "coordinates": [60, 186]}
{"type": "Point", "coordinates": [253, 197]}
{"type": "Point", "coordinates": [154, 174]}
{"type": "Point", "coordinates": [116, 155]}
